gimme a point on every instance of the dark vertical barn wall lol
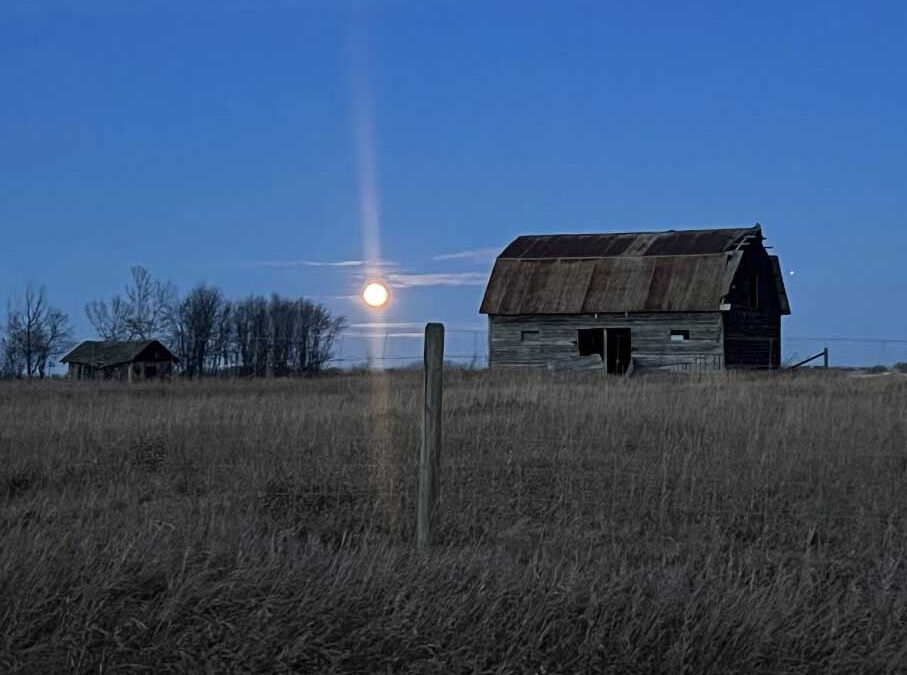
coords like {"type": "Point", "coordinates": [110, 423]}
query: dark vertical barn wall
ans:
{"type": "Point", "coordinates": [752, 327]}
{"type": "Point", "coordinates": [752, 339]}
{"type": "Point", "coordinates": [650, 333]}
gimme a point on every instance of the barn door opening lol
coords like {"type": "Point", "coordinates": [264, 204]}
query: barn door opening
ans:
{"type": "Point", "coordinates": [591, 341]}
{"type": "Point", "coordinates": [618, 351]}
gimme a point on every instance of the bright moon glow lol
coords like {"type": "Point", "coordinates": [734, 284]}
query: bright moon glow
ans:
{"type": "Point", "coordinates": [375, 294]}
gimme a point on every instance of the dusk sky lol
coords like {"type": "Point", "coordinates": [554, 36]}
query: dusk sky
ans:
{"type": "Point", "coordinates": [240, 143]}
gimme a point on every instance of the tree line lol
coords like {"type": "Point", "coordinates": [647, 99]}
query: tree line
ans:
{"type": "Point", "coordinates": [207, 332]}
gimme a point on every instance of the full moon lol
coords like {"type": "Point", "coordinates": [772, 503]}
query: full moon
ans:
{"type": "Point", "coordinates": [375, 294]}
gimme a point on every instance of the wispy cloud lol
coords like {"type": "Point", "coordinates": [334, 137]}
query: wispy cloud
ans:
{"type": "Point", "coordinates": [332, 296]}
{"type": "Point", "coordinates": [477, 254]}
{"type": "Point", "coordinates": [384, 324]}
{"type": "Point", "coordinates": [437, 279]}
{"type": "Point", "coordinates": [381, 336]}
{"type": "Point", "coordinates": [376, 326]}
{"type": "Point", "coordinates": [318, 263]}
{"type": "Point", "coordinates": [332, 263]}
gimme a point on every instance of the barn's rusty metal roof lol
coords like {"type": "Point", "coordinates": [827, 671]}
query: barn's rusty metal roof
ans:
{"type": "Point", "coordinates": [103, 354]}
{"type": "Point", "coordinates": [671, 242]}
{"type": "Point", "coordinates": [675, 271]}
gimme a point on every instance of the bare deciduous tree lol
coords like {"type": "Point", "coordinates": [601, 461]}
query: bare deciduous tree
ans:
{"type": "Point", "coordinates": [250, 327]}
{"type": "Point", "coordinates": [151, 303]}
{"type": "Point", "coordinates": [146, 312]}
{"type": "Point", "coordinates": [321, 332]}
{"type": "Point", "coordinates": [35, 335]}
{"type": "Point", "coordinates": [282, 336]}
{"type": "Point", "coordinates": [110, 321]}
{"type": "Point", "coordinates": [195, 329]}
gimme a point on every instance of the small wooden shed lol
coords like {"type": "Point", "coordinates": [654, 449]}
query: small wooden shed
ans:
{"type": "Point", "coordinates": [690, 300]}
{"type": "Point", "coordinates": [125, 360]}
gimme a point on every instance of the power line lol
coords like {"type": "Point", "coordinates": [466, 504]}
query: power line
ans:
{"type": "Point", "coordinates": [897, 341]}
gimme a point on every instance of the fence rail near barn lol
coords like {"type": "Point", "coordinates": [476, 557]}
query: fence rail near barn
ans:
{"type": "Point", "coordinates": [697, 363]}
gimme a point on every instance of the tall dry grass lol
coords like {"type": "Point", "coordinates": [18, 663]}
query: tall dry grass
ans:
{"type": "Point", "coordinates": [723, 524]}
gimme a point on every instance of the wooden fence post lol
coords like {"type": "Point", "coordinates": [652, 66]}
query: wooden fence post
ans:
{"type": "Point", "coordinates": [825, 357]}
{"type": "Point", "coordinates": [430, 448]}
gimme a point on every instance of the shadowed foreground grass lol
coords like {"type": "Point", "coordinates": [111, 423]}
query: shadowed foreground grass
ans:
{"type": "Point", "coordinates": [713, 525]}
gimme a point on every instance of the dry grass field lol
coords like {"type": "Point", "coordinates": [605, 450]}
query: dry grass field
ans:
{"type": "Point", "coordinates": [722, 524]}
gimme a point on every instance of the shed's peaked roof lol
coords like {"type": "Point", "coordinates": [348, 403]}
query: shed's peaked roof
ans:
{"type": "Point", "coordinates": [675, 271]}
{"type": "Point", "coordinates": [102, 354]}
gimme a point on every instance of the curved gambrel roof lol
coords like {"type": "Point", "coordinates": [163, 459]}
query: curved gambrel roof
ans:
{"type": "Point", "coordinates": [629, 244]}
{"type": "Point", "coordinates": [673, 271]}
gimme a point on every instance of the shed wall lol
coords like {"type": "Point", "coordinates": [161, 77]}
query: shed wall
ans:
{"type": "Point", "coordinates": [139, 370]}
{"type": "Point", "coordinates": [555, 346]}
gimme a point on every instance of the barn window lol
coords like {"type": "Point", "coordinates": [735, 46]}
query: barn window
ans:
{"type": "Point", "coordinates": [529, 336]}
{"type": "Point", "coordinates": [680, 335]}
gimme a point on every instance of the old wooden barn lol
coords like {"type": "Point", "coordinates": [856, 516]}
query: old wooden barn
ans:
{"type": "Point", "coordinates": [125, 360]}
{"type": "Point", "coordinates": [687, 300]}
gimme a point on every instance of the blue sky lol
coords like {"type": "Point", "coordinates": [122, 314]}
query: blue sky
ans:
{"type": "Point", "coordinates": [223, 142]}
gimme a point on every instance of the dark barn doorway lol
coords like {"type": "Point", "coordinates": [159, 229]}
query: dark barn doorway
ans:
{"type": "Point", "coordinates": [591, 341]}
{"type": "Point", "coordinates": [612, 345]}
{"type": "Point", "coordinates": [618, 351]}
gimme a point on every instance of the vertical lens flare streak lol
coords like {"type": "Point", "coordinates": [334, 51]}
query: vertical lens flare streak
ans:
{"type": "Point", "coordinates": [383, 452]}
{"type": "Point", "coordinates": [366, 164]}
{"type": "Point", "coordinates": [366, 173]}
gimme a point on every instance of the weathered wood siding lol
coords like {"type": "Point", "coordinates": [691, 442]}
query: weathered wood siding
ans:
{"type": "Point", "coordinates": [650, 340]}
{"type": "Point", "coordinates": [752, 327]}
{"type": "Point", "coordinates": [84, 371]}
{"type": "Point", "coordinates": [752, 338]}
{"type": "Point", "coordinates": [139, 370]}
